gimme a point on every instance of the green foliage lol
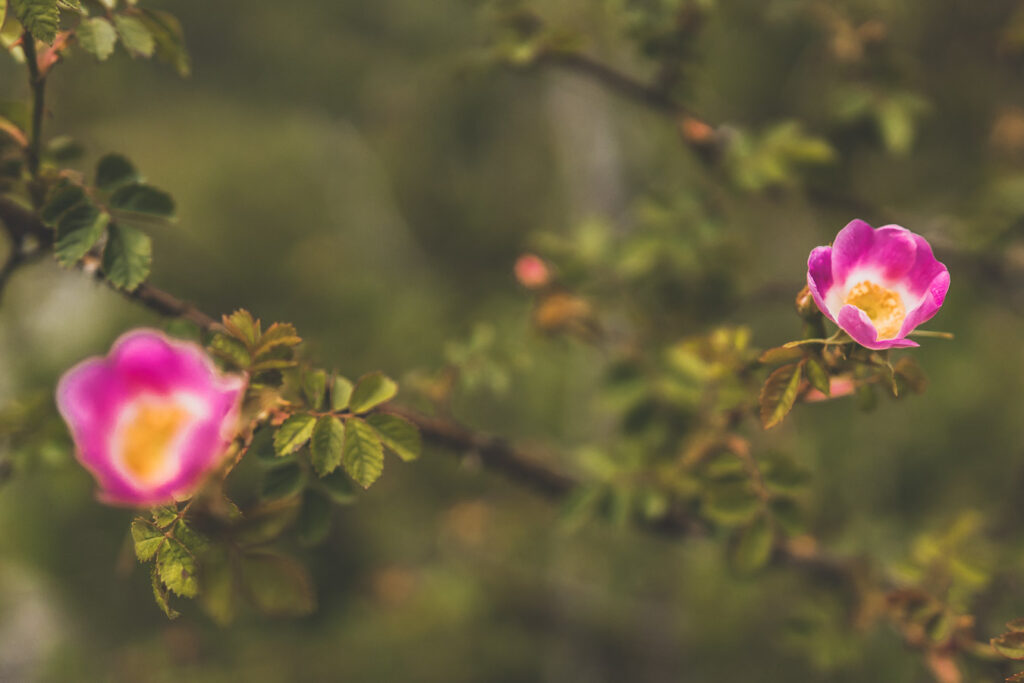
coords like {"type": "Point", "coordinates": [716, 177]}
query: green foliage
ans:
{"type": "Point", "coordinates": [78, 230]}
{"type": "Point", "coordinates": [127, 256]}
{"type": "Point", "coordinates": [398, 435]}
{"type": "Point", "coordinates": [39, 17]}
{"type": "Point", "coordinates": [113, 171]}
{"type": "Point", "coordinates": [97, 36]}
{"type": "Point", "coordinates": [142, 199]}
{"type": "Point", "coordinates": [779, 393]}
{"type": "Point", "coordinates": [363, 454]}
{"type": "Point", "coordinates": [327, 444]}
{"type": "Point", "coordinates": [371, 391]}
{"type": "Point", "coordinates": [294, 433]}
{"type": "Point", "coordinates": [135, 35]}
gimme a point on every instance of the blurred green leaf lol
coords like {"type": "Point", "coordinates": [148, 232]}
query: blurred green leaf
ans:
{"type": "Point", "coordinates": [341, 393]}
{"type": "Point", "coordinates": [314, 519]}
{"type": "Point", "coordinates": [142, 199]}
{"type": "Point", "coordinates": [371, 391]}
{"type": "Point", "coordinates": [282, 482]}
{"type": "Point", "coordinates": [63, 197]}
{"type": "Point", "coordinates": [779, 394]}
{"type": "Point", "coordinates": [39, 17]}
{"type": "Point", "coordinates": [135, 35]}
{"type": "Point", "coordinates": [277, 585]}
{"type": "Point", "coordinates": [399, 435]}
{"type": "Point", "coordinates": [127, 256]}
{"type": "Point", "coordinates": [753, 547]}
{"type": "Point", "coordinates": [113, 171]}
{"type": "Point", "coordinates": [161, 595]}
{"type": "Point", "coordinates": [338, 486]}
{"type": "Point", "coordinates": [78, 230]}
{"type": "Point", "coordinates": [314, 385]}
{"type": "Point", "coordinates": [97, 36]}
{"type": "Point", "coordinates": [230, 349]}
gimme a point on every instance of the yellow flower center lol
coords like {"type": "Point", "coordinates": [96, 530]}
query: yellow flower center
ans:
{"type": "Point", "coordinates": [147, 438]}
{"type": "Point", "coordinates": [883, 306]}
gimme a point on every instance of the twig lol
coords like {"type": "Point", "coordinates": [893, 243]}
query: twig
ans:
{"type": "Point", "coordinates": [37, 82]}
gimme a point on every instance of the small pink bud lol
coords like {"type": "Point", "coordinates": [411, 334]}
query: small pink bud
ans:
{"type": "Point", "coordinates": [532, 272]}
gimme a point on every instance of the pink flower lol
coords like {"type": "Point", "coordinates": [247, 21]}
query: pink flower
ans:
{"type": "Point", "coordinates": [150, 419]}
{"type": "Point", "coordinates": [838, 387]}
{"type": "Point", "coordinates": [877, 285]}
{"type": "Point", "coordinates": [531, 271]}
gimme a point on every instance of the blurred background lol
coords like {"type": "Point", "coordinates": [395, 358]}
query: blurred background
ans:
{"type": "Point", "coordinates": [370, 171]}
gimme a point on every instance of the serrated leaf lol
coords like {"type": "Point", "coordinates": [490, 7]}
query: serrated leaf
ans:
{"type": "Point", "coordinates": [338, 486]}
{"type": "Point", "coordinates": [127, 256]}
{"type": "Point", "coordinates": [753, 546]}
{"type": "Point", "coordinates": [62, 198]}
{"type": "Point", "coordinates": [294, 433]}
{"type": "Point", "coordinates": [363, 454]}
{"type": "Point", "coordinates": [135, 35]}
{"type": "Point", "coordinates": [113, 171]}
{"type": "Point", "coordinates": [817, 375]}
{"type": "Point", "coordinates": [273, 364]}
{"type": "Point", "coordinates": [779, 394]}
{"type": "Point", "coordinates": [785, 478]}
{"type": "Point", "coordinates": [97, 36]}
{"type": "Point", "coordinates": [147, 538]}
{"type": "Point", "coordinates": [314, 519]}
{"type": "Point", "coordinates": [1010, 645]}
{"type": "Point", "coordinates": [282, 482]}
{"type": "Point", "coordinates": [277, 585]}
{"type": "Point", "coordinates": [230, 349]}
{"type": "Point", "coordinates": [314, 384]}
{"type": "Point", "coordinates": [341, 393]}
{"type": "Point", "coordinates": [78, 231]}
{"type": "Point", "coordinates": [371, 391]}
{"type": "Point", "coordinates": [164, 515]}
{"type": "Point", "coordinates": [143, 199]}
{"type": "Point", "coordinates": [242, 325]}
{"type": "Point", "coordinates": [177, 569]}
{"type": "Point", "coordinates": [278, 334]}
{"type": "Point", "coordinates": [194, 542]}
{"type": "Point", "coordinates": [169, 38]}
{"type": "Point", "coordinates": [39, 17]}
{"type": "Point", "coordinates": [400, 436]}
{"type": "Point", "coordinates": [162, 597]}
{"type": "Point", "coordinates": [327, 444]}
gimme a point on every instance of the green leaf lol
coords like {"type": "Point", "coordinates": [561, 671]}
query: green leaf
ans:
{"type": "Point", "coordinates": [230, 349]}
{"type": "Point", "coordinates": [218, 597]}
{"type": "Point", "coordinates": [62, 148]}
{"type": "Point", "coordinates": [243, 326]}
{"type": "Point", "coordinates": [314, 384]}
{"type": "Point", "coordinates": [1010, 645]}
{"type": "Point", "coordinates": [63, 197]}
{"type": "Point", "coordinates": [371, 391]}
{"type": "Point", "coordinates": [581, 505]}
{"type": "Point", "coordinates": [294, 433]}
{"type": "Point", "coordinates": [817, 375]}
{"type": "Point", "coordinates": [97, 36]}
{"type": "Point", "coordinates": [78, 231]}
{"type": "Point", "coordinates": [113, 171]}
{"type": "Point", "coordinates": [177, 569]}
{"type": "Point", "coordinates": [282, 482]}
{"type": "Point", "coordinates": [278, 334]}
{"type": "Point", "coordinates": [327, 445]}
{"type": "Point", "coordinates": [162, 597]}
{"type": "Point", "coordinates": [135, 35]}
{"type": "Point", "coordinates": [400, 436]}
{"type": "Point", "coordinates": [341, 393]}
{"type": "Point", "coordinates": [730, 503]}
{"type": "Point", "coordinates": [148, 539]}
{"type": "Point", "coordinates": [753, 547]}
{"type": "Point", "coordinates": [363, 454]}
{"type": "Point", "coordinates": [314, 518]}
{"type": "Point", "coordinates": [127, 256]}
{"type": "Point", "coordinates": [339, 488]}
{"type": "Point", "coordinates": [781, 354]}
{"type": "Point", "coordinates": [164, 515]}
{"type": "Point", "coordinates": [262, 445]}
{"type": "Point", "coordinates": [278, 585]}
{"type": "Point", "coordinates": [144, 199]}
{"type": "Point", "coordinates": [169, 38]}
{"type": "Point", "coordinates": [39, 17]}
{"type": "Point", "coordinates": [194, 542]}
{"type": "Point", "coordinates": [779, 394]}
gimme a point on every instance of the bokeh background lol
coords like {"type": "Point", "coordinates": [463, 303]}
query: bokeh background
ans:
{"type": "Point", "coordinates": [365, 170]}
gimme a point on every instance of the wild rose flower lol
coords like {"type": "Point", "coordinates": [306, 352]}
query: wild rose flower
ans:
{"type": "Point", "coordinates": [531, 271]}
{"type": "Point", "coordinates": [150, 419]}
{"type": "Point", "coordinates": [877, 285]}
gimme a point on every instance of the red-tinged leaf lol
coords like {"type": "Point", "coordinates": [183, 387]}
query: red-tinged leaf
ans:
{"type": "Point", "coordinates": [779, 394]}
